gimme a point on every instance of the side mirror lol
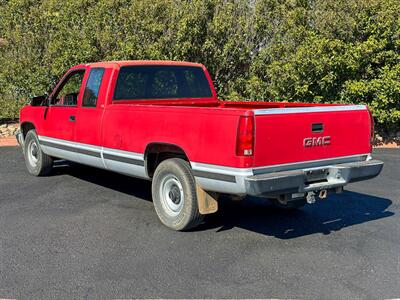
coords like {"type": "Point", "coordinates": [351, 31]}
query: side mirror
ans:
{"type": "Point", "coordinates": [39, 100]}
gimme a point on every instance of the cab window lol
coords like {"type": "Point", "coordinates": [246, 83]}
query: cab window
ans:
{"type": "Point", "coordinates": [67, 94]}
{"type": "Point", "coordinates": [161, 82]}
{"type": "Point", "coordinates": [92, 87]}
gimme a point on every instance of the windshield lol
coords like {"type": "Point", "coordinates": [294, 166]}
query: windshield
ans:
{"type": "Point", "coordinates": [161, 82]}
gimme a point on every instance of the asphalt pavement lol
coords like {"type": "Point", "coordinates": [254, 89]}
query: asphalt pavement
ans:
{"type": "Point", "coordinates": [85, 233]}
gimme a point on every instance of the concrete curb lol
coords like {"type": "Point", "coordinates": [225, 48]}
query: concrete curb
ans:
{"type": "Point", "coordinates": [8, 141]}
{"type": "Point", "coordinates": [388, 146]}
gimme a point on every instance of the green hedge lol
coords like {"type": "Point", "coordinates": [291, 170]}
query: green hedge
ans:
{"type": "Point", "coordinates": [344, 51]}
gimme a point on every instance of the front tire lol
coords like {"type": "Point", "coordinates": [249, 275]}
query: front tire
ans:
{"type": "Point", "coordinates": [37, 162]}
{"type": "Point", "coordinates": [174, 195]}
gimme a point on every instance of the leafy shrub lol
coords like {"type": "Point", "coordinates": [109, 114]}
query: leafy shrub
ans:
{"type": "Point", "coordinates": [344, 51]}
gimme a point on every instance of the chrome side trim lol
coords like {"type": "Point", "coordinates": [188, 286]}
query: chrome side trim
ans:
{"type": "Point", "coordinates": [123, 159]}
{"type": "Point", "coordinates": [221, 179]}
{"type": "Point", "coordinates": [126, 168]}
{"type": "Point", "coordinates": [215, 176]}
{"type": "Point", "coordinates": [69, 144]}
{"type": "Point", "coordinates": [60, 153]}
{"type": "Point", "coordinates": [121, 153]}
{"type": "Point", "coordinates": [82, 153]}
{"type": "Point", "coordinates": [222, 169]}
{"type": "Point", "coordinates": [71, 148]}
{"type": "Point", "coordinates": [125, 162]}
{"type": "Point", "coordinates": [310, 109]}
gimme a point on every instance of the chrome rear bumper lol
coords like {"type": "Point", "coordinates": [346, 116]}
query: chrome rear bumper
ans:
{"type": "Point", "coordinates": [312, 179]}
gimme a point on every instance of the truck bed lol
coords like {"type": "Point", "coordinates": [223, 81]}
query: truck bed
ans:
{"type": "Point", "coordinates": [285, 133]}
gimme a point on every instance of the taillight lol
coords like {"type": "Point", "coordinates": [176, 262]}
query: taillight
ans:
{"type": "Point", "coordinates": [371, 118]}
{"type": "Point", "coordinates": [245, 136]}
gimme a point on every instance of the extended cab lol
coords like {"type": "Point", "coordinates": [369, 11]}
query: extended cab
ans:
{"type": "Point", "coordinates": [162, 121]}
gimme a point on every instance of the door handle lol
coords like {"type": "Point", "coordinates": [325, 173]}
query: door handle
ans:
{"type": "Point", "coordinates": [72, 118]}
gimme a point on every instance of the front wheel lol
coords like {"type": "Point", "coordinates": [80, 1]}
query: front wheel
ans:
{"type": "Point", "coordinates": [174, 195]}
{"type": "Point", "coordinates": [37, 162]}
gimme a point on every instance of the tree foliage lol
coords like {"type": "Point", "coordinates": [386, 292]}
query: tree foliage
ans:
{"type": "Point", "coordinates": [344, 51]}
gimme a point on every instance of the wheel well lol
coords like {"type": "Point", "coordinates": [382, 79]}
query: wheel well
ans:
{"type": "Point", "coordinates": [25, 127]}
{"type": "Point", "coordinates": [157, 152]}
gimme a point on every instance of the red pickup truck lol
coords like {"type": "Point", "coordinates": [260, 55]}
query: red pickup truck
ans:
{"type": "Point", "coordinates": [162, 121]}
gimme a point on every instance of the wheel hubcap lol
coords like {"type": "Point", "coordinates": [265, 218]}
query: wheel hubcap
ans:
{"type": "Point", "coordinates": [172, 198]}
{"type": "Point", "coordinates": [174, 194]}
{"type": "Point", "coordinates": [33, 153]}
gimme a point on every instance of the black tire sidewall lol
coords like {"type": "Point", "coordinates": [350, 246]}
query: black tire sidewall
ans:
{"type": "Point", "coordinates": [186, 217]}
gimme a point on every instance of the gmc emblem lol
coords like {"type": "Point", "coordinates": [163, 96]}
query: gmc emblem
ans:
{"type": "Point", "coordinates": [317, 141]}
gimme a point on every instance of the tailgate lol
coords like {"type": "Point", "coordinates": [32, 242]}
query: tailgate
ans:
{"type": "Point", "coordinates": [291, 135]}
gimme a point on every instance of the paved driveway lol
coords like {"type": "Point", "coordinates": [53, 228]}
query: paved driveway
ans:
{"type": "Point", "coordinates": [86, 233]}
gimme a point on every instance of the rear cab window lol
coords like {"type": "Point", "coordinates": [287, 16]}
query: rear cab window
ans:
{"type": "Point", "coordinates": [161, 82]}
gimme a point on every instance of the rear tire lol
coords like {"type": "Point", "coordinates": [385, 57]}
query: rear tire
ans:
{"type": "Point", "coordinates": [174, 195]}
{"type": "Point", "coordinates": [37, 162]}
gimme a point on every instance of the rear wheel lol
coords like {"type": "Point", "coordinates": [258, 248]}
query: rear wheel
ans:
{"type": "Point", "coordinates": [37, 162]}
{"type": "Point", "coordinates": [174, 195]}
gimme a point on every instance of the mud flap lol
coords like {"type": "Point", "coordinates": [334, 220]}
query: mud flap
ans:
{"type": "Point", "coordinates": [207, 202]}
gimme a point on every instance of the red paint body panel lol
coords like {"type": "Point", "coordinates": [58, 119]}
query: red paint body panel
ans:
{"type": "Point", "coordinates": [57, 123]}
{"type": "Point", "coordinates": [279, 138]}
{"type": "Point", "coordinates": [206, 129]}
{"type": "Point", "coordinates": [89, 119]}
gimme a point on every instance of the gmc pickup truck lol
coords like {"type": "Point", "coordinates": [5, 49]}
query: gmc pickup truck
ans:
{"type": "Point", "coordinates": [162, 121]}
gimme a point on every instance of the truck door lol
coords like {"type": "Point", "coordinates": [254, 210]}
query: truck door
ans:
{"type": "Point", "coordinates": [60, 116]}
{"type": "Point", "coordinates": [88, 121]}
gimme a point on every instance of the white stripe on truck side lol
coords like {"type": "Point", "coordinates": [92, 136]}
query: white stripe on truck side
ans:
{"type": "Point", "coordinates": [125, 162]}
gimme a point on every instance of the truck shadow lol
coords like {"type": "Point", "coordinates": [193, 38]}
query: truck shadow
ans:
{"type": "Point", "coordinates": [255, 214]}
{"type": "Point", "coordinates": [325, 216]}
{"type": "Point", "coordinates": [124, 184]}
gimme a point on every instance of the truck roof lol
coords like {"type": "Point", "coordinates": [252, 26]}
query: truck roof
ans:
{"type": "Point", "coordinates": [121, 63]}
